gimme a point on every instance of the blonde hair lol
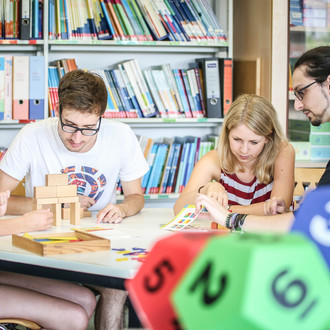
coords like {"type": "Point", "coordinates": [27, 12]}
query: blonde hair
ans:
{"type": "Point", "coordinates": [256, 113]}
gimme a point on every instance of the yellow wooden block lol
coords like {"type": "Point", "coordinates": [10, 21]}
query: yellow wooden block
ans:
{"type": "Point", "coordinates": [68, 199]}
{"type": "Point", "coordinates": [57, 180]}
{"type": "Point", "coordinates": [66, 191]}
{"type": "Point", "coordinates": [44, 192]}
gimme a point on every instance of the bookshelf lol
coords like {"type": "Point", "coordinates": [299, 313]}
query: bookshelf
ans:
{"type": "Point", "coordinates": [105, 53]}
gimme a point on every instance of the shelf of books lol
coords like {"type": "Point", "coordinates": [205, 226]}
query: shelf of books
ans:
{"type": "Point", "coordinates": [165, 64]}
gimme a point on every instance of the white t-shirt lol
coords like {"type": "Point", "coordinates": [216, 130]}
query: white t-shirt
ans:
{"type": "Point", "coordinates": [37, 150]}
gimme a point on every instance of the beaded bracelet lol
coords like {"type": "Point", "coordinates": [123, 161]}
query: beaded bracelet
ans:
{"type": "Point", "coordinates": [239, 222]}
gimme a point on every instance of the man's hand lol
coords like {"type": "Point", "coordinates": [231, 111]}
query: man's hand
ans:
{"type": "Point", "coordinates": [86, 202]}
{"type": "Point", "coordinates": [112, 213]}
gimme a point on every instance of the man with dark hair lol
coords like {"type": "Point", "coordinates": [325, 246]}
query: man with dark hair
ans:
{"type": "Point", "coordinates": [311, 85]}
{"type": "Point", "coordinates": [94, 153]}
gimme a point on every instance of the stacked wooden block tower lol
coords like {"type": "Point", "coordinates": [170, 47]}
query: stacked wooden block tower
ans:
{"type": "Point", "coordinates": [57, 192]}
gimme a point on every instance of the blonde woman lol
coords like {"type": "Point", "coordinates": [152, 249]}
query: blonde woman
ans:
{"type": "Point", "coordinates": [252, 165]}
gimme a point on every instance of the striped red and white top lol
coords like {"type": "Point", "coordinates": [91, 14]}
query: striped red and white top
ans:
{"type": "Point", "coordinates": [242, 193]}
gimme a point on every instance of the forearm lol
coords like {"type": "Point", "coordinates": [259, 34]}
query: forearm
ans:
{"type": "Point", "coordinates": [132, 204]}
{"type": "Point", "coordinates": [183, 200]}
{"type": "Point", "coordinates": [11, 226]}
{"type": "Point", "coordinates": [280, 223]}
{"type": "Point", "coordinates": [256, 209]}
{"type": "Point", "coordinates": [18, 205]}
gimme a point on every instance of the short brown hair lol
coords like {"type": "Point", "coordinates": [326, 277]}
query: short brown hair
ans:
{"type": "Point", "coordinates": [83, 90]}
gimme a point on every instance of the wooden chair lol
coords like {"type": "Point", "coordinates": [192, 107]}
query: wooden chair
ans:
{"type": "Point", "coordinates": [25, 323]}
{"type": "Point", "coordinates": [305, 179]}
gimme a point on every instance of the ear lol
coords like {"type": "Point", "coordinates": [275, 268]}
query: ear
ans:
{"type": "Point", "coordinates": [57, 110]}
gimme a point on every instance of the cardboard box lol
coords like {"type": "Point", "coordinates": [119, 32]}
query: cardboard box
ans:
{"type": "Point", "coordinates": [85, 242]}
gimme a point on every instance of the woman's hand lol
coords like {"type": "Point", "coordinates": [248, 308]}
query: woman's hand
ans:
{"type": "Point", "coordinates": [216, 191]}
{"type": "Point", "coordinates": [274, 206]}
{"type": "Point", "coordinates": [216, 212]}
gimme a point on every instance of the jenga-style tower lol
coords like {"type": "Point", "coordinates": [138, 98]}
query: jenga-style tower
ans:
{"type": "Point", "coordinates": [57, 192]}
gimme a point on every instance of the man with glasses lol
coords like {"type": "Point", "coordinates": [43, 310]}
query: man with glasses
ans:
{"type": "Point", "coordinates": [93, 152]}
{"type": "Point", "coordinates": [311, 84]}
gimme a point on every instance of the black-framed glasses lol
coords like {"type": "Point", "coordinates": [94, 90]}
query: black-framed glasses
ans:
{"type": "Point", "coordinates": [299, 94]}
{"type": "Point", "coordinates": [84, 131]}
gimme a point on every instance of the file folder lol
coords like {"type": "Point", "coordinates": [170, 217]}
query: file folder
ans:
{"type": "Point", "coordinates": [21, 87]}
{"type": "Point", "coordinates": [212, 86]}
{"type": "Point", "coordinates": [37, 87]}
{"type": "Point", "coordinates": [25, 28]}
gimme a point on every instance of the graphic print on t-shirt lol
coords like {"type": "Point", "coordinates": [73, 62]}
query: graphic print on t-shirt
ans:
{"type": "Point", "coordinates": [88, 180]}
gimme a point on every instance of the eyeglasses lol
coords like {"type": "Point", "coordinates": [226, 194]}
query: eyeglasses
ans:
{"type": "Point", "coordinates": [73, 129]}
{"type": "Point", "coordinates": [299, 94]}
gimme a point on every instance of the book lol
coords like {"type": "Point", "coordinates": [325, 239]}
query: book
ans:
{"type": "Point", "coordinates": [150, 161]}
{"type": "Point", "coordinates": [182, 93]}
{"type": "Point", "coordinates": [195, 93]}
{"type": "Point", "coordinates": [154, 24]}
{"type": "Point", "coordinates": [167, 167]}
{"type": "Point", "coordinates": [178, 141]}
{"type": "Point", "coordinates": [155, 93]}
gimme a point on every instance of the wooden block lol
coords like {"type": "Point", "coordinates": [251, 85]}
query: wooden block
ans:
{"type": "Point", "coordinates": [68, 199]}
{"type": "Point", "coordinates": [86, 214]}
{"type": "Point", "coordinates": [66, 191]}
{"type": "Point", "coordinates": [215, 225]}
{"type": "Point", "coordinates": [57, 180]}
{"type": "Point", "coordinates": [43, 201]}
{"type": "Point", "coordinates": [56, 209]}
{"type": "Point", "coordinates": [75, 213]}
{"type": "Point", "coordinates": [66, 213]}
{"type": "Point", "coordinates": [36, 206]}
{"type": "Point", "coordinates": [88, 243]}
{"type": "Point", "coordinates": [44, 192]}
